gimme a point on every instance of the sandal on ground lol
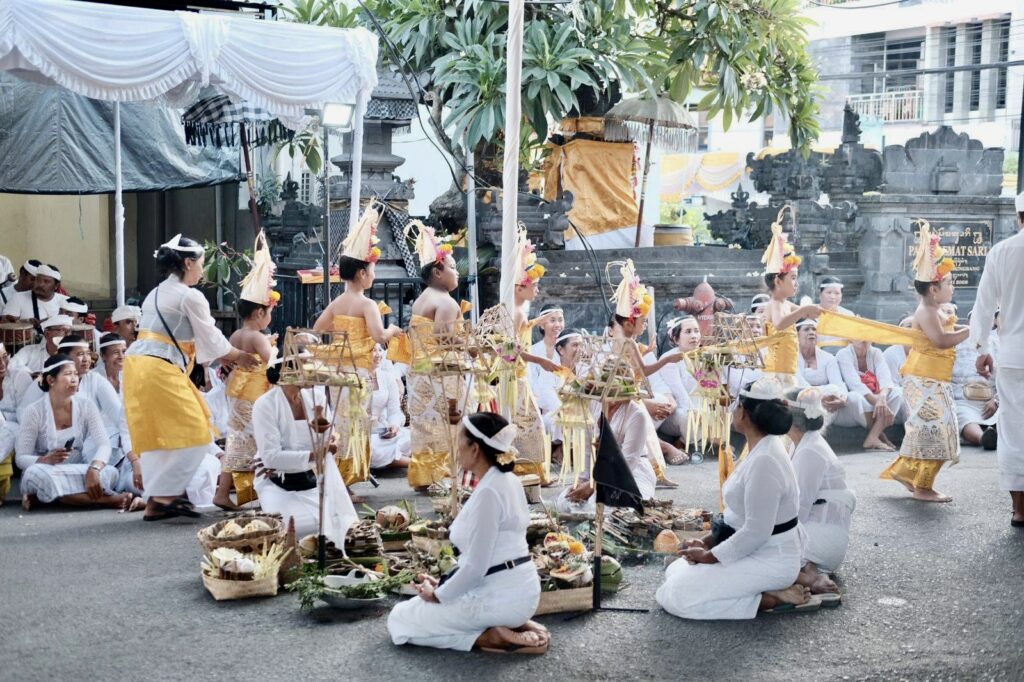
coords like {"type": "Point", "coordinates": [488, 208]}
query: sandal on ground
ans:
{"type": "Point", "coordinates": [519, 649]}
{"type": "Point", "coordinates": [829, 600]}
{"type": "Point", "coordinates": [176, 508]}
{"type": "Point", "coordinates": [812, 604]}
{"type": "Point", "coordinates": [677, 459]}
{"type": "Point", "coordinates": [1015, 523]}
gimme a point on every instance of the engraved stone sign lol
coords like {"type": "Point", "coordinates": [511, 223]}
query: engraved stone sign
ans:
{"type": "Point", "coordinates": [966, 241]}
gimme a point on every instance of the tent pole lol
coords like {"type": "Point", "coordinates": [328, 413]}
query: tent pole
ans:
{"type": "Point", "coordinates": [118, 208]}
{"type": "Point", "coordinates": [250, 180]}
{"type": "Point", "coordinates": [356, 181]}
{"type": "Point", "coordinates": [327, 220]}
{"type": "Point", "coordinates": [510, 168]}
{"type": "Point", "coordinates": [643, 185]}
{"type": "Point", "coordinates": [474, 287]}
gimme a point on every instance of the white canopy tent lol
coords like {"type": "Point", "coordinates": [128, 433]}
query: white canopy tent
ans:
{"type": "Point", "coordinates": [124, 54]}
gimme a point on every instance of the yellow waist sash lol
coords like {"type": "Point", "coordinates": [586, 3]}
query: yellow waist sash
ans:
{"type": "Point", "coordinates": [784, 353]}
{"type": "Point", "coordinates": [359, 338]}
{"type": "Point", "coordinates": [248, 384]}
{"type": "Point", "coordinates": [153, 386]}
{"type": "Point", "coordinates": [924, 359]}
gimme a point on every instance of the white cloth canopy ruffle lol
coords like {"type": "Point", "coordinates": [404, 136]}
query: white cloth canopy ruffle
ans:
{"type": "Point", "coordinates": [126, 54]}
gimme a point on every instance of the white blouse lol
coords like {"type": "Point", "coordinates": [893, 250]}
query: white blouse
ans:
{"type": "Point", "coordinates": [675, 379]}
{"type": "Point", "coordinates": [631, 424]}
{"type": "Point", "coordinates": [16, 382]}
{"type": "Point", "coordinates": [760, 494]}
{"type": "Point", "coordinates": [37, 433]}
{"type": "Point", "coordinates": [489, 530]}
{"type": "Point", "coordinates": [187, 313]}
{"type": "Point", "coordinates": [817, 469]}
{"type": "Point", "coordinates": [386, 404]}
{"type": "Point", "coordinates": [283, 442]}
{"type": "Point", "coordinates": [827, 370]}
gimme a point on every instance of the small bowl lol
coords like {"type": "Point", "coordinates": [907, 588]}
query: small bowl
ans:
{"type": "Point", "coordinates": [334, 597]}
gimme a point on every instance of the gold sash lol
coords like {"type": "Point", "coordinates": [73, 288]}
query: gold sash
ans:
{"type": "Point", "coordinates": [358, 338]}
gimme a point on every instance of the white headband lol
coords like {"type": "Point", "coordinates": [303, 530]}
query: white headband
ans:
{"type": "Point", "coordinates": [501, 441]}
{"type": "Point", "coordinates": [126, 312]}
{"type": "Point", "coordinates": [825, 285]}
{"type": "Point", "coordinates": [29, 268]}
{"type": "Point", "coordinates": [79, 308]}
{"type": "Point", "coordinates": [567, 335]}
{"type": "Point", "coordinates": [57, 321]}
{"type": "Point", "coordinates": [73, 344]}
{"type": "Point", "coordinates": [47, 370]}
{"type": "Point", "coordinates": [175, 244]}
{"type": "Point", "coordinates": [48, 271]}
{"type": "Point", "coordinates": [807, 323]}
{"type": "Point", "coordinates": [678, 321]}
{"type": "Point", "coordinates": [113, 342]}
{"type": "Point", "coordinates": [552, 311]}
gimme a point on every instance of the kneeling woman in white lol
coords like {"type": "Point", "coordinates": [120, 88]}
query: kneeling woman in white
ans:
{"type": "Point", "coordinates": [285, 480]}
{"type": "Point", "coordinates": [63, 446]}
{"type": "Point", "coordinates": [390, 443]}
{"type": "Point", "coordinates": [489, 599]}
{"type": "Point", "coordinates": [751, 559]}
{"type": "Point", "coordinates": [826, 503]}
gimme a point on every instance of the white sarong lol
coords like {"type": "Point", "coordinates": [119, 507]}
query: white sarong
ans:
{"type": "Point", "coordinates": [1010, 443]}
{"type": "Point", "coordinates": [828, 529]}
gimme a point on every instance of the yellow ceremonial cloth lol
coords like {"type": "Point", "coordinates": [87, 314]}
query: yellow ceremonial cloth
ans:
{"type": "Point", "coordinates": [426, 467]}
{"type": "Point", "coordinates": [245, 491]}
{"type": "Point", "coordinates": [359, 338]}
{"type": "Point", "coordinates": [352, 469]}
{"type": "Point", "coordinates": [540, 469]}
{"type": "Point", "coordinates": [924, 359]}
{"type": "Point", "coordinates": [400, 348]}
{"type": "Point", "coordinates": [783, 356]}
{"type": "Point", "coordinates": [919, 473]}
{"type": "Point", "coordinates": [155, 387]}
{"type": "Point", "coordinates": [248, 384]}
{"type": "Point", "coordinates": [6, 473]}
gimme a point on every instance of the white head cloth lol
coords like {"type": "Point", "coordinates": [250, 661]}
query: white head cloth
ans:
{"type": "Point", "coordinates": [501, 441]}
{"type": "Point", "coordinates": [57, 321]}
{"type": "Point", "coordinates": [126, 312]}
{"type": "Point", "coordinates": [45, 270]}
{"type": "Point", "coordinates": [175, 244]}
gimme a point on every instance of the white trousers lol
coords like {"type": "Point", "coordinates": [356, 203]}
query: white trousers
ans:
{"type": "Point", "coordinates": [731, 591]}
{"type": "Point", "coordinates": [1010, 444]}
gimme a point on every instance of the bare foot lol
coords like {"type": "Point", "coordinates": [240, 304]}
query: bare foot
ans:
{"type": "Point", "coordinates": [885, 439]}
{"type": "Point", "coordinates": [823, 585]}
{"type": "Point", "coordinates": [794, 594]}
{"type": "Point", "coordinates": [133, 504]}
{"type": "Point", "coordinates": [225, 503]}
{"type": "Point", "coordinates": [356, 499]}
{"type": "Point", "coordinates": [534, 626]}
{"type": "Point", "coordinates": [673, 455]}
{"type": "Point", "coordinates": [28, 501]}
{"type": "Point", "coordinates": [500, 639]}
{"type": "Point", "coordinates": [924, 495]}
{"type": "Point", "coordinates": [877, 444]}
{"type": "Point", "coordinates": [905, 483]}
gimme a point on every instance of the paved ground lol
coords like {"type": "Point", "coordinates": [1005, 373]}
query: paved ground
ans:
{"type": "Point", "coordinates": [931, 592]}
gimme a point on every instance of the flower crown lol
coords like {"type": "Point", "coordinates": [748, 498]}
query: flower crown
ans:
{"type": "Point", "coordinates": [532, 271]}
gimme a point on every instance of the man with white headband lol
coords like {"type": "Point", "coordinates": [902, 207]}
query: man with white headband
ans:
{"type": "Point", "coordinates": [1000, 290]}
{"type": "Point", "coordinates": [23, 281]}
{"type": "Point", "coordinates": [32, 357]}
{"type": "Point", "coordinates": [75, 308]}
{"type": "Point", "coordinates": [41, 302]}
{"type": "Point", "coordinates": [551, 324]}
{"type": "Point", "coordinates": [125, 319]}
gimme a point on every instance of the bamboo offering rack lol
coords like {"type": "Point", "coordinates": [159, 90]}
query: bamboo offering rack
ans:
{"type": "Point", "coordinates": [320, 359]}
{"type": "Point", "coordinates": [496, 351]}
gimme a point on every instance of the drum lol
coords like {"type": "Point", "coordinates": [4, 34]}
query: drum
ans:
{"type": "Point", "coordinates": [86, 331]}
{"type": "Point", "coordinates": [16, 335]}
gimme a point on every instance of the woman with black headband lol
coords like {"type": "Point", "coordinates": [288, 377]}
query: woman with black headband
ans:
{"type": "Point", "coordinates": [751, 559]}
{"type": "Point", "coordinates": [487, 602]}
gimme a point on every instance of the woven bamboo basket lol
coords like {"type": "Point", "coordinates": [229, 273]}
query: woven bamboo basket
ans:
{"type": "Point", "coordinates": [566, 601]}
{"type": "Point", "coordinates": [224, 590]}
{"type": "Point", "coordinates": [246, 542]}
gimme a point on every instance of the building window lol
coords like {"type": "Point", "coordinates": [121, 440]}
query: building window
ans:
{"type": "Point", "coordinates": [974, 57]}
{"type": "Point", "coordinates": [1002, 32]}
{"type": "Point", "coordinates": [949, 45]}
{"type": "Point", "coordinates": [306, 187]}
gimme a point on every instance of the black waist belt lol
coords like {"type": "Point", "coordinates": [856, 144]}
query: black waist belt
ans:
{"type": "Point", "coordinates": [295, 482]}
{"type": "Point", "coordinates": [497, 568]}
{"type": "Point", "coordinates": [783, 527]}
{"type": "Point", "coordinates": [820, 501]}
{"type": "Point", "coordinates": [722, 531]}
{"type": "Point", "coordinates": [511, 563]}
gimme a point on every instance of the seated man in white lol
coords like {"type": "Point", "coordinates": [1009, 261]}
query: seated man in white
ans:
{"type": "Point", "coordinates": [866, 373]}
{"type": "Point", "coordinates": [41, 302]}
{"type": "Point", "coordinates": [32, 357]}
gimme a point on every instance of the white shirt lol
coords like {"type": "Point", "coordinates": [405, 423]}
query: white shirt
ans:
{"type": "Point", "coordinates": [876, 363]}
{"type": "Point", "coordinates": [675, 379]}
{"type": "Point", "coordinates": [16, 382]}
{"type": "Point", "coordinates": [20, 306]}
{"type": "Point", "coordinates": [895, 356]}
{"type": "Point", "coordinates": [760, 494]}
{"type": "Point", "coordinates": [534, 371]}
{"type": "Point", "coordinates": [631, 424]}
{"type": "Point", "coordinates": [386, 403]}
{"type": "Point", "coordinates": [826, 373]}
{"type": "Point", "coordinates": [32, 357]}
{"type": "Point", "coordinates": [282, 441]}
{"type": "Point", "coordinates": [489, 530]}
{"type": "Point", "coordinates": [817, 469]}
{"type": "Point", "coordinates": [37, 434]}
{"type": "Point", "coordinates": [1000, 288]}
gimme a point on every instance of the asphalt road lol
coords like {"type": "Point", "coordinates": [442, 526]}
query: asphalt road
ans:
{"type": "Point", "coordinates": [930, 592]}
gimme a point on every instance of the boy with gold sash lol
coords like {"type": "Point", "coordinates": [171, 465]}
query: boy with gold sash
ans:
{"type": "Point", "coordinates": [255, 306]}
{"type": "Point", "coordinates": [361, 317]}
{"type": "Point", "coordinates": [932, 435]}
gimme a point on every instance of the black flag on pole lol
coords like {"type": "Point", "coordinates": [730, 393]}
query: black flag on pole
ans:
{"type": "Point", "coordinates": [615, 484]}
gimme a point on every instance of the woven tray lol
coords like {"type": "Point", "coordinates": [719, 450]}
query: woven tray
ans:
{"type": "Point", "coordinates": [224, 590]}
{"type": "Point", "coordinates": [247, 542]}
{"type": "Point", "coordinates": [566, 601]}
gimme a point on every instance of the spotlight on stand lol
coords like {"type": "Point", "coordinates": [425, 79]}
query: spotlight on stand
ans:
{"type": "Point", "coordinates": [338, 115]}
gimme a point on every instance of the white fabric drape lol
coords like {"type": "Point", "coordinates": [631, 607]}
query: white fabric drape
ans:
{"type": "Point", "coordinates": [125, 54]}
{"type": "Point", "coordinates": [510, 171]}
